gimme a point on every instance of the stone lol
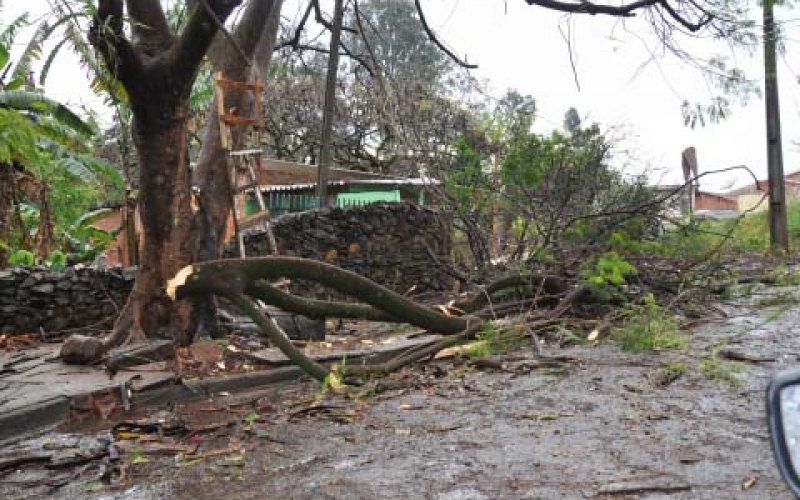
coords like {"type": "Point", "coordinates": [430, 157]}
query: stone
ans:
{"type": "Point", "coordinates": [44, 288]}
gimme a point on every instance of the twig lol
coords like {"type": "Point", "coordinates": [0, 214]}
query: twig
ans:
{"type": "Point", "coordinates": [433, 38]}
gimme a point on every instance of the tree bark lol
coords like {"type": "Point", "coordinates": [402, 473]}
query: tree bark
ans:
{"type": "Point", "coordinates": [6, 178]}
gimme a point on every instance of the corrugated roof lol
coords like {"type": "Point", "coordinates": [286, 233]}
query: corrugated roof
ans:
{"type": "Point", "coordinates": [359, 182]}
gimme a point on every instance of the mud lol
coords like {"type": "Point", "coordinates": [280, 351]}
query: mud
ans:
{"type": "Point", "coordinates": [608, 426]}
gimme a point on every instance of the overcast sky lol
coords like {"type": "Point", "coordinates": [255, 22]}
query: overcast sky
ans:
{"type": "Point", "coordinates": [523, 47]}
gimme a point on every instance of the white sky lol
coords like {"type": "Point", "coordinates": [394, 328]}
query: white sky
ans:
{"type": "Point", "coordinates": [519, 46]}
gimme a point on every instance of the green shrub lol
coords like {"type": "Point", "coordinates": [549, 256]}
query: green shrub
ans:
{"type": "Point", "coordinates": [648, 327]}
{"type": "Point", "coordinates": [608, 269]}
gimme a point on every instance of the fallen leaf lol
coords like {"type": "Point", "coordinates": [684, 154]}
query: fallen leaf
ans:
{"type": "Point", "coordinates": [206, 352]}
{"type": "Point", "coordinates": [335, 382]}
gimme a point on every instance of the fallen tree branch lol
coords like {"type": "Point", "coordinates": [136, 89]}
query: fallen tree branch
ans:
{"type": "Point", "coordinates": [314, 308]}
{"type": "Point", "coordinates": [239, 276]}
{"type": "Point", "coordinates": [235, 279]}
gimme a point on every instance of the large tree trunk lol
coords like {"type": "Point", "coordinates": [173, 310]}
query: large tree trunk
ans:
{"type": "Point", "coordinates": [165, 210]}
{"type": "Point", "coordinates": [157, 69]}
{"type": "Point", "coordinates": [256, 39]}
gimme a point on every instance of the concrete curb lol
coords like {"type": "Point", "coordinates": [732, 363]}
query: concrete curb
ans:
{"type": "Point", "coordinates": [23, 421]}
{"type": "Point", "coordinates": [37, 416]}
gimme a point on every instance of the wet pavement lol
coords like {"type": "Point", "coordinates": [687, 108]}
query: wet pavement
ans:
{"type": "Point", "coordinates": [606, 425]}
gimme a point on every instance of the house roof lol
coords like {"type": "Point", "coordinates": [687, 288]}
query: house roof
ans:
{"type": "Point", "coordinates": [418, 181]}
{"type": "Point", "coordinates": [334, 173]}
{"type": "Point", "coordinates": [718, 196]}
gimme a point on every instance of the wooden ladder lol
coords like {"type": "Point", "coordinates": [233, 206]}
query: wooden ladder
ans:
{"type": "Point", "coordinates": [244, 164]}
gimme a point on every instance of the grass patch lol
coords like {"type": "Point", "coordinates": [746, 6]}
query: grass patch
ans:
{"type": "Point", "coordinates": [492, 341]}
{"type": "Point", "coordinates": [669, 373]}
{"type": "Point", "coordinates": [719, 370]}
{"type": "Point", "coordinates": [778, 299]}
{"type": "Point", "coordinates": [648, 327]}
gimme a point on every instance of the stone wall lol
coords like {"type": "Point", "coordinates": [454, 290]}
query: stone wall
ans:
{"type": "Point", "coordinates": [39, 298]}
{"type": "Point", "coordinates": [399, 245]}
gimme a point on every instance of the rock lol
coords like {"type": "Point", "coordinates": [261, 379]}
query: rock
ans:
{"type": "Point", "coordinates": [44, 288]}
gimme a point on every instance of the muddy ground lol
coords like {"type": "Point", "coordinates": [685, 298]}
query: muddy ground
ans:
{"type": "Point", "coordinates": [606, 424]}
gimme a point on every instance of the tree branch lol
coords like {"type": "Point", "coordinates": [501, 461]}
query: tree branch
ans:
{"type": "Point", "coordinates": [231, 276]}
{"type": "Point", "coordinates": [314, 308]}
{"type": "Point", "coordinates": [149, 26]}
{"type": "Point", "coordinates": [433, 38]}
{"type": "Point", "coordinates": [222, 29]}
{"type": "Point", "coordinates": [324, 22]}
{"type": "Point", "coordinates": [200, 29]}
{"type": "Point", "coordinates": [295, 40]}
{"type": "Point", "coordinates": [586, 7]}
{"type": "Point", "coordinates": [624, 10]}
{"type": "Point", "coordinates": [108, 37]}
{"type": "Point", "coordinates": [685, 22]}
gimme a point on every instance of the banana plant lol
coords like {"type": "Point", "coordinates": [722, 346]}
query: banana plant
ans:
{"type": "Point", "coordinates": [45, 138]}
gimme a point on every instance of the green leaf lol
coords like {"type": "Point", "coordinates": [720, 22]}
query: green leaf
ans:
{"type": "Point", "coordinates": [4, 56]}
{"type": "Point", "coordinates": [92, 217]}
{"type": "Point", "coordinates": [38, 103]}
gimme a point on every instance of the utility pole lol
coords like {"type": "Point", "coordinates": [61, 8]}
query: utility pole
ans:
{"type": "Point", "coordinates": [778, 231]}
{"type": "Point", "coordinates": [330, 105]}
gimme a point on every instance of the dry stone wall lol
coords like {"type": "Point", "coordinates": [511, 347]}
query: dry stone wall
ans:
{"type": "Point", "coordinates": [36, 299]}
{"type": "Point", "coordinates": [399, 245]}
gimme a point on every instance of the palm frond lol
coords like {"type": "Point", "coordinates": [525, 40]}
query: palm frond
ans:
{"type": "Point", "coordinates": [60, 136]}
{"type": "Point", "coordinates": [31, 53]}
{"type": "Point", "coordinates": [9, 33]}
{"type": "Point", "coordinates": [69, 21]}
{"type": "Point", "coordinates": [102, 84]}
{"type": "Point", "coordinates": [104, 170]}
{"type": "Point", "coordinates": [4, 55]}
{"type": "Point", "coordinates": [37, 103]}
{"type": "Point", "coordinates": [18, 138]}
{"type": "Point", "coordinates": [92, 217]}
{"type": "Point", "coordinates": [76, 168]}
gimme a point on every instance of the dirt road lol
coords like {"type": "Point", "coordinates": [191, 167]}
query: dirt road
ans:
{"type": "Point", "coordinates": [609, 426]}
